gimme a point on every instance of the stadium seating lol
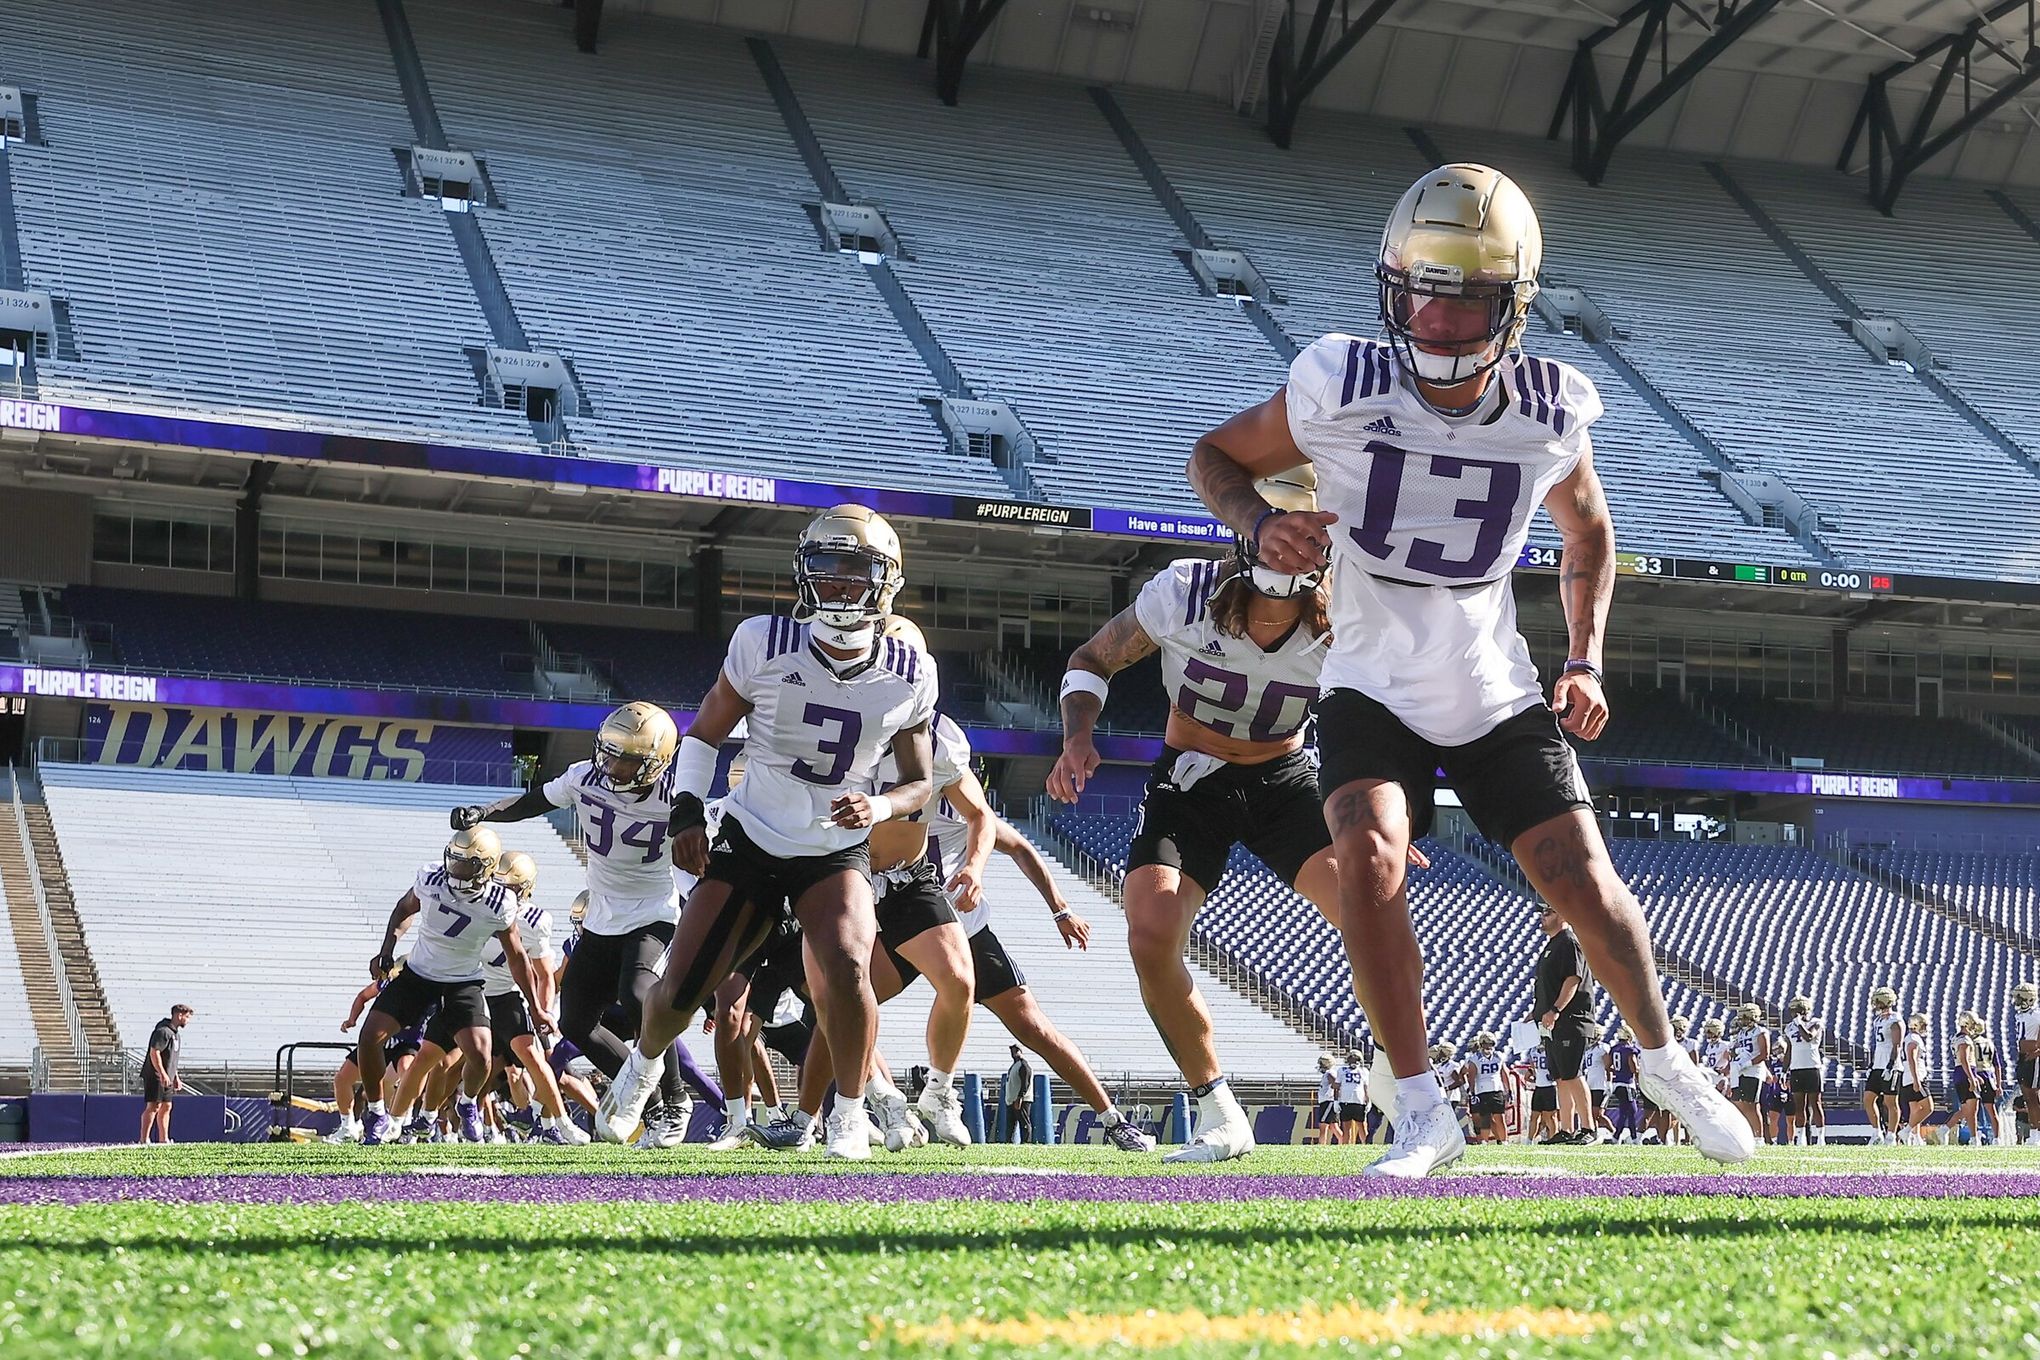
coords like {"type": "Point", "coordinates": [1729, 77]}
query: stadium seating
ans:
{"type": "Point", "coordinates": [1092, 995]}
{"type": "Point", "coordinates": [674, 669]}
{"type": "Point", "coordinates": [2000, 888]}
{"type": "Point", "coordinates": [1311, 218]}
{"type": "Point", "coordinates": [653, 229]}
{"type": "Point", "coordinates": [1654, 727]}
{"type": "Point", "coordinates": [258, 900]}
{"type": "Point", "coordinates": [17, 1023]}
{"type": "Point", "coordinates": [1876, 742]}
{"type": "Point", "coordinates": [390, 649]}
{"type": "Point", "coordinates": [218, 205]}
{"type": "Point", "coordinates": [1022, 215]}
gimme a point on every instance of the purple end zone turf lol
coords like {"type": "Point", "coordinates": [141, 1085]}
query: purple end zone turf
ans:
{"type": "Point", "coordinates": [574, 1188]}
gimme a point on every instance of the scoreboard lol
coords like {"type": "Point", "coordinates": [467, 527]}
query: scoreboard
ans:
{"type": "Point", "coordinates": [1839, 580]}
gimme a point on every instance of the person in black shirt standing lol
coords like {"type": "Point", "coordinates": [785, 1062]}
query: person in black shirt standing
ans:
{"type": "Point", "coordinates": [1563, 1000]}
{"type": "Point", "coordinates": [159, 1071]}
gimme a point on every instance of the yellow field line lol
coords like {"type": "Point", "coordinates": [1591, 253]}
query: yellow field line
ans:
{"type": "Point", "coordinates": [1306, 1327]}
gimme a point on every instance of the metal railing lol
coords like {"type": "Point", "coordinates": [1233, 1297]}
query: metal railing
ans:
{"type": "Point", "coordinates": [73, 1023]}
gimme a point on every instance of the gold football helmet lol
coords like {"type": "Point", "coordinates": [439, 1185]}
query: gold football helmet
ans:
{"type": "Point", "coordinates": [470, 859]}
{"type": "Point", "coordinates": [846, 568]}
{"type": "Point", "coordinates": [1458, 270]}
{"type": "Point", "coordinates": [519, 873]}
{"type": "Point", "coordinates": [901, 627]}
{"type": "Point", "coordinates": [2025, 996]}
{"type": "Point", "coordinates": [1883, 999]}
{"type": "Point", "coordinates": [578, 912]}
{"type": "Point", "coordinates": [634, 745]}
{"type": "Point", "coordinates": [1291, 489]}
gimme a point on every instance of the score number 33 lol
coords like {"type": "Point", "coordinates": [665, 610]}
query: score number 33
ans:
{"type": "Point", "coordinates": [1493, 514]}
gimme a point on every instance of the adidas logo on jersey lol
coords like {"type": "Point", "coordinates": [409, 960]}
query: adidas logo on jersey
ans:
{"type": "Point", "coordinates": [1212, 648]}
{"type": "Point", "coordinates": [1381, 426]}
{"type": "Point", "coordinates": [793, 678]}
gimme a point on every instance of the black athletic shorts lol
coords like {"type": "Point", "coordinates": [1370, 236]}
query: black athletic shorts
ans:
{"type": "Point", "coordinates": [1986, 1088]}
{"type": "Point", "coordinates": [910, 903]}
{"type": "Point", "coordinates": [1806, 1081]}
{"type": "Point", "coordinates": [1491, 1102]}
{"type": "Point", "coordinates": [997, 974]}
{"type": "Point", "coordinates": [1565, 1056]}
{"type": "Point", "coordinates": [1327, 1112]}
{"type": "Point", "coordinates": [1351, 1112]}
{"type": "Point", "coordinates": [2026, 1071]}
{"type": "Point", "coordinates": [1747, 1089]}
{"type": "Point", "coordinates": [409, 996]}
{"type": "Point", "coordinates": [1878, 1084]}
{"type": "Point", "coordinates": [1911, 1095]}
{"type": "Point", "coordinates": [1517, 775]}
{"type": "Point", "coordinates": [768, 881]}
{"type": "Point", "coordinates": [1543, 1099]}
{"type": "Point", "coordinates": [509, 1018]}
{"type": "Point", "coordinates": [154, 1089]}
{"type": "Point", "coordinates": [1271, 808]}
{"type": "Point", "coordinates": [791, 1041]}
{"type": "Point", "coordinates": [1597, 1098]}
{"type": "Point", "coordinates": [775, 966]}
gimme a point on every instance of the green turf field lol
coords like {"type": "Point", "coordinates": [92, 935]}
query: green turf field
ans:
{"type": "Point", "coordinates": [495, 1252]}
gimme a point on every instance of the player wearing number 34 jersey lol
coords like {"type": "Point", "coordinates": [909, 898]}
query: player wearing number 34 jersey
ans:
{"type": "Point", "coordinates": [1433, 449]}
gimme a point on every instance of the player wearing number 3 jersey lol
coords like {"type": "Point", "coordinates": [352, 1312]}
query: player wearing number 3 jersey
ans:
{"type": "Point", "coordinates": [622, 800]}
{"type": "Point", "coordinates": [1433, 450]}
{"type": "Point", "coordinates": [1241, 648]}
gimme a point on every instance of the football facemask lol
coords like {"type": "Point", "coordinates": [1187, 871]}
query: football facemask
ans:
{"type": "Point", "coordinates": [1443, 330]}
{"type": "Point", "coordinates": [843, 586]}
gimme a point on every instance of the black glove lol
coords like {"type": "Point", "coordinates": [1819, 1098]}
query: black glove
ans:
{"type": "Point", "coordinates": [465, 818]}
{"type": "Point", "coordinates": [688, 813]}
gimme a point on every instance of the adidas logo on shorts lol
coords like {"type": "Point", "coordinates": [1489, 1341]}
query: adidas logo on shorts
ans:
{"type": "Point", "coordinates": [1381, 426]}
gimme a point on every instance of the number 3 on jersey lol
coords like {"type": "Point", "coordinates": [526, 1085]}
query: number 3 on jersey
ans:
{"type": "Point", "coordinates": [1492, 513]}
{"type": "Point", "coordinates": [840, 749]}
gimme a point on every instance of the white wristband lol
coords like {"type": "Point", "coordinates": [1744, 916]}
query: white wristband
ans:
{"type": "Point", "coordinates": [694, 767]}
{"type": "Point", "coordinates": [1083, 682]}
{"type": "Point", "coordinates": [881, 809]}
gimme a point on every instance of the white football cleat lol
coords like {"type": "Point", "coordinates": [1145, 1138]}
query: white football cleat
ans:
{"type": "Point", "coordinates": [667, 1127]}
{"type": "Point", "coordinates": [623, 1104]}
{"type": "Point", "coordinates": [849, 1133]}
{"type": "Point", "coordinates": [897, 1123]}
{"type": "Point", "coordinates": [1222, 1142]}
{"type": "Point", "coordinates": [1427, 1141]}
{"type": "Point", "coordinates": [573, 1133]}
{"type": "Point", "coordinates": [1717, 1127]}
{"type": "Point", "coordinates": [942, 1110]}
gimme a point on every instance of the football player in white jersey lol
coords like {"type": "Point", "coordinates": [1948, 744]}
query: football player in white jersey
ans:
{"type": "Point", "coordinates": [460, 908]}
{"type": "Point", "coordinates": [2026, 1053]}
{"type": "Point", "coordinates": [824, 696]}
{"type": "Point", "coordinates": [1880, 1085]}
{"type": "Point", "coordinates": [1482, 1076]}
{"type": "Point", "coordinates": [1803, 1031]}
{"type": "Point", "coordinates": [1749, 1056]}
{"type": "Point", "coordinates": [1915, 1061]}
{"type": "Point", "coordinates": [1241, 647]}
{"type": "Point", "coordinates": [513, 1035]}
{"type": "Point", "coordinates": [622, 799]}
{"type": "Point", "coordinates": [1433, 451]}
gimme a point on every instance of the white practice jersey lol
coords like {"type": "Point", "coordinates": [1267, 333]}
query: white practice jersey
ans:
{"type": "Point", "coordinates": [455, 932]}
{"type": "Point", "coordinates": [1434, 512]}
{"type": "Point", "coordinates": [1802, 1038]}
{"type": "Point", "coordinates": [1352, 1084]}
{"type": "Point", "coordinates": [1540, 1063]}
{"type": "Point", "coordinates": [1710, 1057]}
{"type": "Point", "coordinates": [1225, 683]}
{"type": "Point", "coordinates": [1593, 1066]}
{"type": "Point", "coordinates": [630, 870]}
{"type": "Point", "coordinates": [1487, 1072]}
{"type": "Point", "coordinates": [948, 837]}
{"type": "Point", "coordinates": [535, 933]}
{"type": "Point", "coordinates": [1447, 1074]}
{"type": "Point", "coordinates": [2025, 1028]}
{"type": "Point", "coordinates": [1884, 1042]}
{"type": "Point", "coordinates": [815, 734]}
{"type": "Point", "coordinates": [1744, 1048]}
{"type": "Point", "coordinates": [1327, 1089]}
{"type": "Point", "coordinates": [1914, 1059]}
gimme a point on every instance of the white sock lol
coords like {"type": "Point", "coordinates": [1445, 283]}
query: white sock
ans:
{"type": "Point", "coordinates": [939, 1080]}
{"type": "Point", "coordinates": [804, 1119]}
{"type": "Point", "coordinates": [846, 1102]}
{"type": "Point", "coordinates": [1414, 1095]}
{"type": "Point", "coordinates": [1659, 1060]}
{"type": "Point", "coordinates": [1219, 1105]}
{"type": "Point", "coordinates": [375, 1107]}
{"type": "Point", "coordinates": [881, 1085]}
{"type": "Point", "coordinates": [739, 1116]}
{"type": "Point", "coordinates": [1111, 1118]}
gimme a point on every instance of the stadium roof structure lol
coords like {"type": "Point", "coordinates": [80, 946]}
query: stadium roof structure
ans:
{"type": "Point", "coordinates": [1782, 80]}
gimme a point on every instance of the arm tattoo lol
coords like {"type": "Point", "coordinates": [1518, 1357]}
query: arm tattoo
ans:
{"type": "Point", "coordinates": [1120, 643]}
{"type": "Point", "coordinates": [1586, 577]}
{"type": "Point", "coordinates": [1226, 488]}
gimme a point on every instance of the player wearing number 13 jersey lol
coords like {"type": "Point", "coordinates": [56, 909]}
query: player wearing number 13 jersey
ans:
{"type": "Point", "coordinates": [824, 696]}
{"type": "Point", "coordinates": [1241, 648]}
{"type": "Point", "coordinates": [1433, 450]}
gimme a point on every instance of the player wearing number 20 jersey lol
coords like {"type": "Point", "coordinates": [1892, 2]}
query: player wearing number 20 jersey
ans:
{"type": "Point", "coordinates": [1433, 449]}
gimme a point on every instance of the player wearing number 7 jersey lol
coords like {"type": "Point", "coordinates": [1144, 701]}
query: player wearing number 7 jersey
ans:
{"type": "Point", "coordinates": [1241, 648]}
{"type": "Point", "coordinates": [824, 695]}
{"type": "Point", "coordinates": [1433, 450]}
{"type": "Point", "coordinates": [622, 800]}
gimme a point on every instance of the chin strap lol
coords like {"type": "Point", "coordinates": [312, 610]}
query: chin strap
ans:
{"type": "Point", "coordinates": [856, 639]}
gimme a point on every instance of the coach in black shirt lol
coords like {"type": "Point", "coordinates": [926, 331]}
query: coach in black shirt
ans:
{"type": "Point", "coordinates": [159, 1071]}
{"type": "Point", "coordinates": [1564, 1008]}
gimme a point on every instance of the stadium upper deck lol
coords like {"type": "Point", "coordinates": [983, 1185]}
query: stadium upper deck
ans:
{"type": "Point", "coordinates": [652, 222]}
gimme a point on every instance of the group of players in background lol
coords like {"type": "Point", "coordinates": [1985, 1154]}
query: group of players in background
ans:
{"type": "Point", "coordinates": [1379, 501]}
